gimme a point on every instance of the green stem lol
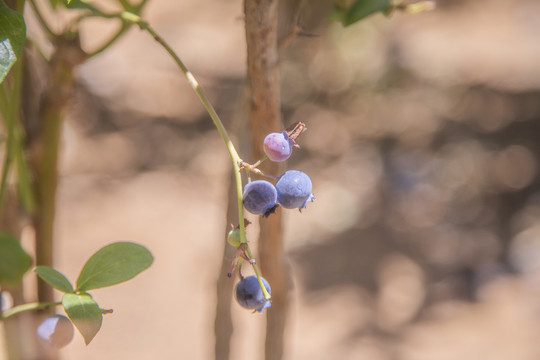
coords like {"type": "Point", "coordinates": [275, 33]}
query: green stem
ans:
{"type": "Point", "coordinates": [20, 5]}
{"type": "Point", "coordinates": [28, 307]}
{"type": "Point", "coordinates": [236, 160]}
{"type": "Point", "coordinates": [3, 100]}
{"type": "Point", "coordinates": [10, 111]}
{"type": "Point", "coordinates": [5, 170]}
{"type": "Point", "coordinates": [140, 6]}
{"type": "Point", "coordinates": [7, 161]}
{"type": "Point", "coordinates": [41, 20]}
{"type": "Point", "coordinates": [126, 5]}
{"type": "Point", "coordinates": [111, 41]}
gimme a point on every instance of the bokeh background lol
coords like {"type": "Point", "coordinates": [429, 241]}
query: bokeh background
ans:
{"type": "Point", "coordinates": [423, 147]}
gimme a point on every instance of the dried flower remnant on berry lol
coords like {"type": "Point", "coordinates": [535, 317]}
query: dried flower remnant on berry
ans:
{"type": "Point", "coordinates": [295, 130]}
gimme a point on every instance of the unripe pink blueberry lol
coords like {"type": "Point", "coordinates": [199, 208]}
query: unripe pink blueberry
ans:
{"type": "Point", "coordinates": [278, 146]}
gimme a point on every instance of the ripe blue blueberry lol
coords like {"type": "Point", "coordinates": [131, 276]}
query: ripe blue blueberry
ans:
{"type": "Point", "coordinates": [278, 146]}
{"type": "Point", "coordinates": [294, 190]}
{"type": "Point", "coordinates": [250, 295]}
{"type": "Point", "coordinates": [55, 331]}
{"type": "Point", "coordinates": [260, 197]}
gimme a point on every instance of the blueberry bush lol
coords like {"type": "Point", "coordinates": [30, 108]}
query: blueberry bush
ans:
{"type": "Point", "coordinates": [31, 147]}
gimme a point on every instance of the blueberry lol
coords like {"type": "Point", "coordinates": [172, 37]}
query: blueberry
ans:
{"type": "Point", "coordinates": [250, 295]}
{"type": "Point", "coordinates": [278, 146]}
{"type": "Point", "coordinates": [55, 331]}
{"type": "Point", "coordinates": [294, 190]}
{"type": "Point", "coordinates": [260, 197]}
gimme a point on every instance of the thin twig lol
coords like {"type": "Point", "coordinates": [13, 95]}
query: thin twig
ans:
{"type": "Point", "coordinates": [28, 307]}
{"type": "Point", "coordinates": [125, 26]}
{"type": "Point", "coordinates": [235, 158]}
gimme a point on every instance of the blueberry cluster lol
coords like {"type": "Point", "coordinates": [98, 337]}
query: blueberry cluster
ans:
{"type": "Point", "coordinates": [292, 190]}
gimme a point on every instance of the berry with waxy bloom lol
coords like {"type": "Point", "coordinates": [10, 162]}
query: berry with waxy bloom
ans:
{"type": "Point", "coordinates": [260, 197]}
{"type": "Point", "coordinates": [250, 295]}
{"type": "Point", "coordinates": [278, 146]}
{"type": "Point", "coordinates": [294, 190]}
{"type": "Point", "coordinates": [56, 331]}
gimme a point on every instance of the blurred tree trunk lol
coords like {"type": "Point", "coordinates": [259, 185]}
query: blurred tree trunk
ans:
{"type": "Point", "coordinates": [20, 344]}
{"type": "Point", "coordinates": [264, 117]}
{"type": "Point", "coordinates": [43, 131]}
{"type": "Point", "coordinates": [42, 121]}
{"type": "Point", "coordinates": [223, 326]}
{"type": "Point", "coordinates": [18, 330]}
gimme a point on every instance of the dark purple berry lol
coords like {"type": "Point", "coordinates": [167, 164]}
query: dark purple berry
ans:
{"type": "Point", "coordinates": [55, 331]}
{"type": "Point", "coordinates": [250, 295]}
{"type": "Point", "coordinates": [294, 190]}
{"type": "Point", "coordinates": [278, 146]}
{"type": "Point", "coordinates": [260, 197]}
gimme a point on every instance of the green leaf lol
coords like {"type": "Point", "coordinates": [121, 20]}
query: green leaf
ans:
{"type": "Point", "coordinates": [113, 264]}
{"type": "Point", "coordinates": [14, 261]}
{"type": "Point", "coordinates": [85, 313]}
{"type": "Point", "coordinates": [7, 58]}
{"type": "Point", "coordinates": [361, 9]}
{"type": "Point", "coordinates": [12, 38]}
{"type": "Point", "coordinates": [54, 278]}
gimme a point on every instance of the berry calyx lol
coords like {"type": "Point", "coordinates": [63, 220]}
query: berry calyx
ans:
{"type": "Point", "coordinates": [260, 197]}
{"type": "Point", "coordinates": [250, 295]}
{"type": "Point", "coordinates": [295, 130]}
{"type": "Point", "coordinates": [294, 190]}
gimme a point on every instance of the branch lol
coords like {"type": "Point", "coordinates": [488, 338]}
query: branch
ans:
{"type": "Point", "coordinates": [236, 160]}
{"type": "Point", "coordinates": [28, 307]}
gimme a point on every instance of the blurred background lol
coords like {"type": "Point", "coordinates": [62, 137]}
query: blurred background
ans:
{"type": "Point", "coordinates": [423, 147]}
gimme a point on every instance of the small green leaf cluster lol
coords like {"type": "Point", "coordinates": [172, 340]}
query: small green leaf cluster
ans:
{"type": "Point", "coordinates": [113, 264]}
{"type": "Point", "coordinates": [349, 12]}
{"type": "Point", "coordinates": [13, 26]}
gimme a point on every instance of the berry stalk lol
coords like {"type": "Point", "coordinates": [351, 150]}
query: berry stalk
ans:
{"type": "Point", "coordinates": [236, 160]}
